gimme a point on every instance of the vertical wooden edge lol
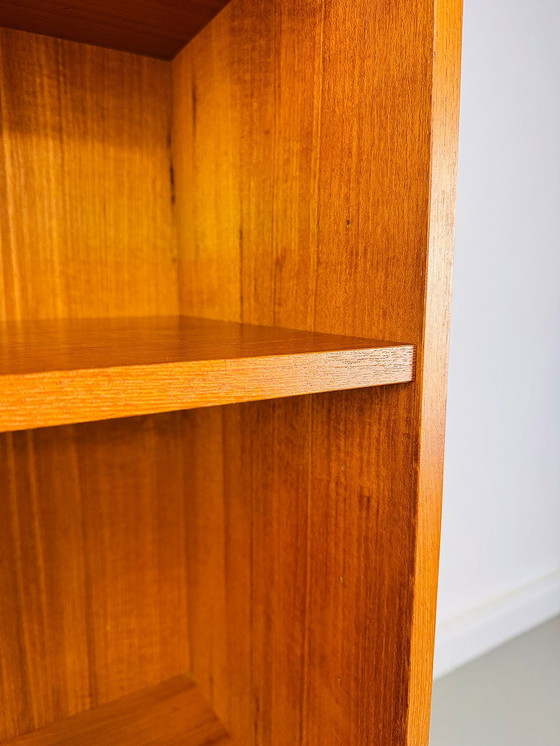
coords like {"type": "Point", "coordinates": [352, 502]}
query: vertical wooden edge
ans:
{"type": "Point", "coordinates": [432, 363]}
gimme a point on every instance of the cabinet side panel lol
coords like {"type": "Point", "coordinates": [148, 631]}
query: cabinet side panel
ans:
{"type": "Point", "coordinates": [432, 363]}
{"type": "Point", "coordinates": [303, 161]}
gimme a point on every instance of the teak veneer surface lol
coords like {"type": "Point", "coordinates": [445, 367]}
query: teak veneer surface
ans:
{"type": "Point", "coordinates": [92, 565]}
{"type": "Point", "coordinates": [86, 226]}
{"type": "Point", "coordinates": [285, 551]}
{"type": "Point", "coordinates": [314, 150]}
{"type": "Point", "coordinates": [157, 28]}
{"type": "Point", "coordinates": [173, 713]}
{"type": "Point", "coordinates": [28, 347]}
{"type": "Point", "coordinates": [92, 536]}
{"type": "Point", "coordinates": [61, 372]}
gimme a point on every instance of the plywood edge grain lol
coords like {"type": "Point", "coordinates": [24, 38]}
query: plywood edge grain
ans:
{"type": "Point", "coordinates": [70, 396]}
{"type": "Point", "coordinates": [168, 714]}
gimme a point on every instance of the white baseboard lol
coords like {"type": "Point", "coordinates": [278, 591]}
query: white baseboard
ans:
{"type": "Point", "coordinates": [465, 637]}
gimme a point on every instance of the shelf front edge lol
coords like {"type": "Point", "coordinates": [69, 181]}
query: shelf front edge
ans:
{"type": "Point", "coordinates": [65, 397]}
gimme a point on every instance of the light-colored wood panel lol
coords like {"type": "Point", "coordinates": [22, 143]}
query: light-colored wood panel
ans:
{"type": "Point", "coordinates": [63, 372]}
{"type": "Point", "coordinates": [85, 186]}
{"type": "Point", "coordinates": [169, 714]}
{"type": "Point", "coordinates": [158, 28]}
{"type": "Point", "coordinates": [304, 149]}
{"type": "Point", "coordinates": [92, 566]}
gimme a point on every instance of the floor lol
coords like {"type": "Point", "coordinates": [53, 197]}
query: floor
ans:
{"type": "Point", "coordinates": [509, 697]}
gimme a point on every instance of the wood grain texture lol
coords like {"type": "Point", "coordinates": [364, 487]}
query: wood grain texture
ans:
{"type": "Point", "coordinates": [311, 169]}
{"type": "Point", "coordinates": [86, 225]}
{"type": "Point", "coordinates": [309, 149]}
{"type": "Point", "coordinates": [157, 28]}
{"type": "Point", "coordinates": [92, 566]}
{"type": "Point", "coordinates": [444, 136]}
{"type": "Point", "coordinates": [63, 372]}
{"type": "Point", "coordinates": [92, 548]}
{"type": "Point", "coordinates": [169, 714]}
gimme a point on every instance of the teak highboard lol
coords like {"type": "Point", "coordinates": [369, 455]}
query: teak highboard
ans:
{"type": "Point", "coordinates": [226, 237]}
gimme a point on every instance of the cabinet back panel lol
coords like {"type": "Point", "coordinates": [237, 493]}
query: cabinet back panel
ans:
{"type": "Point", "coordinates": [92, 570]}
{"type": "Point", "coordinates": [86, 224]}
{"type": "Point", "coordinates": [92, 565]}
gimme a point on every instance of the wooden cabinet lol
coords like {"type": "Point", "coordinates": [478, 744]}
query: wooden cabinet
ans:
{"type": "Point", "coordinates": [225, 290]}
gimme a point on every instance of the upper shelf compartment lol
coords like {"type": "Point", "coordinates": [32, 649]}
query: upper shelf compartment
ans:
{"type": "Point", "coordinates": [157, 28]}
{"type": "Point", "coordinates": [61, 372]}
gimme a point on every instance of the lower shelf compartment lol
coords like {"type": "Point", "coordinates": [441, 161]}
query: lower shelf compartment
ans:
{"type": "Point", "coordinates": [173, 713]}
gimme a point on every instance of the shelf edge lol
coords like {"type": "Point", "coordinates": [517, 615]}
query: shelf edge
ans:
{"type": "Point", "coordinates": [50, 398]}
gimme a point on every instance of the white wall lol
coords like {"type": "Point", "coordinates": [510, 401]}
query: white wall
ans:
{"type": "Point", "coordinates": [500, 560]}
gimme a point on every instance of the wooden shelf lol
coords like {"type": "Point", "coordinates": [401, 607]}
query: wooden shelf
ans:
{"type": "Point", "coordinates": [62, 372]}
{"type": "Point", "coordinates": [173, 713]}
{"type": "Point", "coordinates": [157, 28]}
